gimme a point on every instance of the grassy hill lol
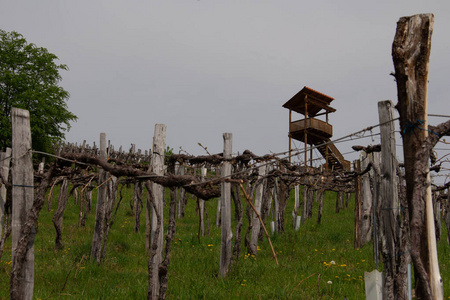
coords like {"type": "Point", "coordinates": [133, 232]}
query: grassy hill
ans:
{"type": "Point", "coordinates": [316, 262]}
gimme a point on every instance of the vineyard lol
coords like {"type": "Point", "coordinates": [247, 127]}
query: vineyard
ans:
{"type": "Point", "coordinates": [91, 222]}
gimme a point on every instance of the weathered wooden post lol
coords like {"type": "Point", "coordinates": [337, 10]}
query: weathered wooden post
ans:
{"type": "Point", "coordinates": [366, 202]}
{"type": "Point", "coordinates": [296, 205]}
{"type": "Point", "coordinates": [411, 54]}
{"type": "Point", "coordinates": [96, 249]}
{"type": "Point", "coordinates": [225, 208]}
{"type": "Point", "coordinates": [179, 169]}
{"type": "Point", "coordinates": [395, 267]}
{"type": "Point", "coordinates": [256, 225]}
{"type": "Point", "coordinates": [320, 201]}
{"type": "Point", "coordinates": [22, 201]}
{"type": "Point", "coordinates": [58, 216]}
{"type": "Point", "coordinates": [276, 204]}
{"type": "Point", "coordinates": [157, 231]}
{"type": "Point", "coordinates": [5, 159]}
{"type": "Point", "coordinates": [138, 205]}
{"type": "Point", "coordinates": [201, 206]}
{"type": "Point", "coordinates": [357, 243]}
{"type": "Point", "coordinates": [447, 215]}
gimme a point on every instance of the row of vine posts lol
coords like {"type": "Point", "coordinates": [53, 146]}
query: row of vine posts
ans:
{"type": "Point", "coordinates": [389, 199]}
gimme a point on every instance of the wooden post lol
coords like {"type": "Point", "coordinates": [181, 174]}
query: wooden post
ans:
{"type": "Point", "coordinates": [201, 206]}
{"type": "Point", "coordinates": [179, 170]}
{"type": "Point", "coordinates": [276, 205]}
{"type": "Point", "coordinates": [320, 200]}
{"type": "Point", "coordinates": [447, 216]}
{"type": "Point", "coordinates": [357, 244]}
{"type": "Point", "coordinates": [290, 137]}
{"type": "Point", "coordinates": [375, 158]}
{"type": "Point", "coordinates": [389, 217]}
{"type": "Point", "coordinates": [296, 204]}
{"type": "Point", "coordinates": [306, 133]}
{"type": "Point", "coordinates": [97, 238]}
{"type": "Point", "coordinates": [157, 165]}
{"type": "Point", "coordinates": [366, 203]}
{"type": "Point", "coordinates": [5, 159]}
{"type": "Point", "coordinates": [22, 201]}
{"type": "Point", "coordinates": [256, 225]}
{"type": "Point", "coordinates": [411, 54]}
{"type": "Point", "coordinates": [58, 216]}
{"type": "Point", "coordinates": [227, 235]}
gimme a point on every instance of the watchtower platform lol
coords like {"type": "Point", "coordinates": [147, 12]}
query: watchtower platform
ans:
{"type": "Point", "coordinates": [313, 131]}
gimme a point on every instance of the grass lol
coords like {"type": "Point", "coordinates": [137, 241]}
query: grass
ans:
{"type": "Point", "coordinates": [316, 262]}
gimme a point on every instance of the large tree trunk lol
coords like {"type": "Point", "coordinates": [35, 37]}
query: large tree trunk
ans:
{"type": "Point", "coordinates": [411, 54]}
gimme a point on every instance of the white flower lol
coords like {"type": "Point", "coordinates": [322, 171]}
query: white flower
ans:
{"type": "Point", "coordinates": [332, 262]}
{"type": "Point", "coordinates": [330, 282]}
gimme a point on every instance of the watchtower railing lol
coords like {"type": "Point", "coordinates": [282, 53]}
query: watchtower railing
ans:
{"type": "Point", "coordinates": [311, 123]}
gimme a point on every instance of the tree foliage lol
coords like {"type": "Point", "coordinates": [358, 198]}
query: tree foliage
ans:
{"type": "Point", "coordinates": [29, 78]}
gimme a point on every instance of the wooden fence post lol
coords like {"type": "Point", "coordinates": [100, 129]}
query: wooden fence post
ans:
{"type": "Point", "coordinates": [227, 235]}
{"type": "Point", "coordinates": [5, 159]}
{"type": "Point", "coordinates": [157, 165]}
{"type": "Point", "coordinates": [411, 54]}
{"type": "Point", "coordinates": [100, 208]}
{"type": "Point", "coordinates": [22, 200]}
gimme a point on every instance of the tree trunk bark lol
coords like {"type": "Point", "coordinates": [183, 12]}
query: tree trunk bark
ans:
{"type": "Point", "coordinates": [411, 53]}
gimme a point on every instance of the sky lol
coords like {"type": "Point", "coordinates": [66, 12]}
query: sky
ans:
{"type": "Point", "coordinates": [208, 67]}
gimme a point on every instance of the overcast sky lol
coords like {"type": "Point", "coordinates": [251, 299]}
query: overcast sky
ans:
{"type": "Point", "coordinates": [208, 67]}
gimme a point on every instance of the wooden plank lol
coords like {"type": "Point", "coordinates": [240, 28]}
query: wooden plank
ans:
{"type": "Point", "coordinates": [22, 200]}
{"type": "Point", "coordinates": [226, 233]}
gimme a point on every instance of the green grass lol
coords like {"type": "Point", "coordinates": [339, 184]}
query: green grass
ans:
{"type": "Point", "coordinates": [305, 260]}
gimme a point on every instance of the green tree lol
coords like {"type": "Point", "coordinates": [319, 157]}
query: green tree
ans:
{"type": "Point", "coordinates": [29, 78]}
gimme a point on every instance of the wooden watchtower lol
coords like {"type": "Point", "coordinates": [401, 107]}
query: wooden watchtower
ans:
{"type": "Point", "coordinates": [312, 131]}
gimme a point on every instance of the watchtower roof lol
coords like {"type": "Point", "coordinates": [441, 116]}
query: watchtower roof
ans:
{"type": "Point", "coordinates": [316, 102]}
